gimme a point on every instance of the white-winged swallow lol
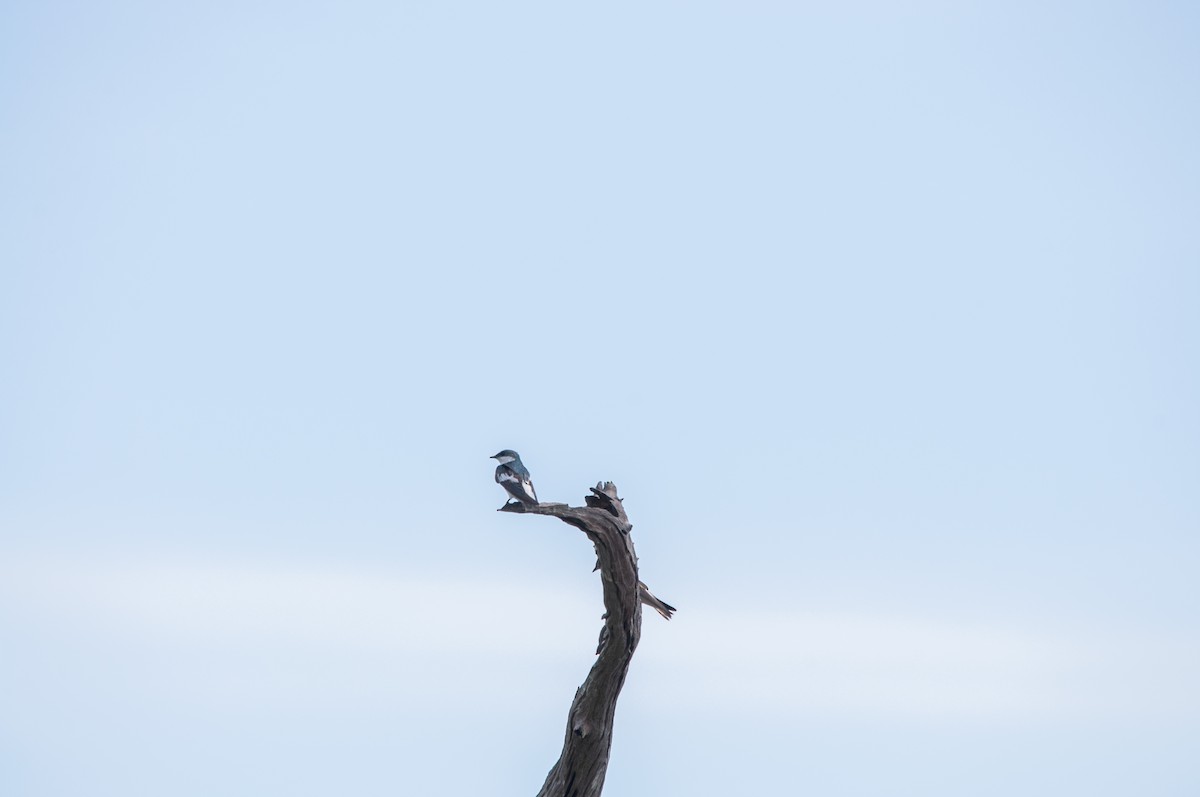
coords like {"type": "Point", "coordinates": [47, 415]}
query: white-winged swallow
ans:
{"type": "Point", "coordinates": [513, 476]}
{"type": "Point", "coordinates": [657, 604]}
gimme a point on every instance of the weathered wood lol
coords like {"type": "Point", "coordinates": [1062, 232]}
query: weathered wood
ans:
{"type": "Point", "coordinates": [583, 763]}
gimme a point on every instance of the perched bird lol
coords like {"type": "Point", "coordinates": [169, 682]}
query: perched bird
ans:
{"type": "Point", "coordinates": [657, 604]}
{"type": "Point", "coordinates": [513, 476]}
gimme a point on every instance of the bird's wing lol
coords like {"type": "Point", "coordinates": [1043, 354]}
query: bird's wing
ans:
{"type": "Point", "coordinates": [520, 487]}
{"type": "Point", "coordinates": [522, 473]}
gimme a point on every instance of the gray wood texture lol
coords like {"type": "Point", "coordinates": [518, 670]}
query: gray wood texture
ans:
{"type": "Point", "coordinates": [580, 769]}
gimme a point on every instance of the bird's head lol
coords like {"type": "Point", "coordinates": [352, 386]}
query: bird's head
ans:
{"type": "Point", "coordinates": [506, 456]}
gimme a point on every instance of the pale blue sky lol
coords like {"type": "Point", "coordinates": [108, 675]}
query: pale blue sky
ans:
{"type": "Point", "coordinates": [884, 318]}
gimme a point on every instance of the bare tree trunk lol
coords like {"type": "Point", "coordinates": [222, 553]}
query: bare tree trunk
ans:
{"type": "Point", "coordinates": [583, 763]}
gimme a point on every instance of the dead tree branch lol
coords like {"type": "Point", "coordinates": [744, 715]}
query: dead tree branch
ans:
{"type": "Point", "coordinates": [583, 763]}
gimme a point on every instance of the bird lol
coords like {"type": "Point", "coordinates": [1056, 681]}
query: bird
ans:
{"type": "Point", "coordinates": [513, 476]}
{"type": "Point", "coordinates": [657, 604]}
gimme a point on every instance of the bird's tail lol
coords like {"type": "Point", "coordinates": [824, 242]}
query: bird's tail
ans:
{"type": "Point", "coordinates": [658, 605]}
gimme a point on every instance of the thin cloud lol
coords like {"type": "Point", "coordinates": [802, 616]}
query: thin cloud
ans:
{"type": "Point", "coordinates": [360, 626]}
